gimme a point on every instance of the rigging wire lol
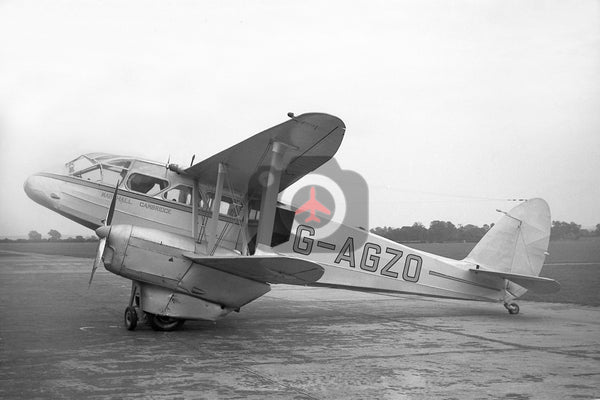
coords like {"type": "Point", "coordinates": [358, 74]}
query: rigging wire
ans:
{"type": "Point", "coordinates": [456, 196]}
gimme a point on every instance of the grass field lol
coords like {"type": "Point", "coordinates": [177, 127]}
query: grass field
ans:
{"type": "Point", "coordinates": [573, 263]}
{"type": "Point", "coordinates": [73, 249]}
{"type": "Point", "coordinates": [584, 250]}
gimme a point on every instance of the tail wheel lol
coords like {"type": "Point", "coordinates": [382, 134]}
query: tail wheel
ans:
{"type": "Point", "coordinates": [164, 323]}
{"type": "Point", "coordinates": [130, 318]}
{"type": "Point", "coordinates": [513, 308]}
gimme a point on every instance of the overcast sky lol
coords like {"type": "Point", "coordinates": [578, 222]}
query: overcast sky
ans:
{"type": "Point", "coordinates": [448, 104]}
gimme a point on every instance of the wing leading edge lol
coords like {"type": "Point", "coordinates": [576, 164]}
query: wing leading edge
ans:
{"type": "Point", "coordinates": [271, 269]}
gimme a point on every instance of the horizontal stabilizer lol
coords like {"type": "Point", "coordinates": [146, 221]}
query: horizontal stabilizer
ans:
{"type": "Point", "coordinates": [271, 269]}
{"type": "Point", "coordinates": [534, 283]}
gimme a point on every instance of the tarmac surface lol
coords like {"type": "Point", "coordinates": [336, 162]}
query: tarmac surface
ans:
{"type": "Point", "coordinates": [59, 339]}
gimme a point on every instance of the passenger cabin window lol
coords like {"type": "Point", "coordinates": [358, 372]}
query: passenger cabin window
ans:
{"type": "Point", "coordinates": [253, 214]}
{"type": "Point", "coordinates": [228, 206]}
{"type": "Point", "coordinates": [149, 185]}
{"type": "Point", "coordinates": [180, 194]}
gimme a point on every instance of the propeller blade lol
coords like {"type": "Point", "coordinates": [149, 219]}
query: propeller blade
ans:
{"type": "Point", "coordinates": [167, 165]}
{"type": "Point", "coordinates": [111, 210]}
{"type": "Point", "coordinates": [98, 260]}
{"type": "Point", "coordinates": [103, 233]}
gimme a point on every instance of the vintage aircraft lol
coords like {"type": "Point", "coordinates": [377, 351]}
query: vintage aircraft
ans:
{"type": "Point", "coordinates": [203, 241]}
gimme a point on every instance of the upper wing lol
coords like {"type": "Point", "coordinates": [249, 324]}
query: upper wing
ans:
{"type": "Point", "coordinates": [272, 269]}
{"type": "Point", "coordinates": [313, 139]}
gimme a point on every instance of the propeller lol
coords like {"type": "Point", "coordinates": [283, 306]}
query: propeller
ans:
{"type": "Point", "coordinates": [176, 167]}
{"type": "Point", "coordinates": [167, 165]}
{"type": "Point", "coordinates": [103, 232]}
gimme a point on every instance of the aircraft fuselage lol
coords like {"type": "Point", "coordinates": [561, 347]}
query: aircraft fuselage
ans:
{"type": "Point", "coordinates": [352, 258]}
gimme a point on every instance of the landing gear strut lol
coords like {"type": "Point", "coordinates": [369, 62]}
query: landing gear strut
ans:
{"type": "Point", "coordinates": [513, 308]}
{"type": "Point", "coordinates": [133, 310]}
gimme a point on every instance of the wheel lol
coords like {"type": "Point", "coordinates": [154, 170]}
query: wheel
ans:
{"type": "Point", "coordinates": [513, 308]}
{"type": "Point", "coordinates": [164, 323]}
{"type": "Point", "coordinates": [131, 318]}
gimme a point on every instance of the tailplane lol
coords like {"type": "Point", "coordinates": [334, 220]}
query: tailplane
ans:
{"type": "Point", "coordinates": [515, 248]}
{"type": "Point", "coordinates": [534, 283]}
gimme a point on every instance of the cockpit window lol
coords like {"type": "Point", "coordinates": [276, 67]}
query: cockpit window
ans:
{"type": "Point", "coordinates": [96, 167]}
{"type": "Point", "coordinates": [123, 164]}
{"type": "Point", "coordinates": [180, 194]}
{"type": "Point", "coordinates": [146, 184]}
{"type": "Point", "coordinates": [80, 163]}
{"type": "Point", "coordinates": [98, 174]}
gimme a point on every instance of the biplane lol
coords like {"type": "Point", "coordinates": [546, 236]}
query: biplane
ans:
{"type": "Point", "coordinates": [202, 241]}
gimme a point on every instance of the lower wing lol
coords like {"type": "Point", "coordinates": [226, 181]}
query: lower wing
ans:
{"type": "Point", "coordinates": [271, 269]}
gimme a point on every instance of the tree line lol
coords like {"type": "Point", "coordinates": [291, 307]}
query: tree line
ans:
{"type": "Point", "coordinates": [571, 230]}
{"type": "Point", "coordinates": [446, 231]}
{"type": "Point", "coordinates": [53, 236]}
{"type": "Point", "coordinates": [438, 232]}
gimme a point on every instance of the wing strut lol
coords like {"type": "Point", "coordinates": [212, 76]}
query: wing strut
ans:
{"type": "Point", "coordinates": [211, 231]}
{"type": "Point", "coordinates": [270, 191]}
{"type": "Point", "coordinates": [195, 206]}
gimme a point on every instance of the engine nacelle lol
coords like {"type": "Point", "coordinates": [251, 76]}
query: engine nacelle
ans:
{"type": "Point", "coordinates": [156, 257]}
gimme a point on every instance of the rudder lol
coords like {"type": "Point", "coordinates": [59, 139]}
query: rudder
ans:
{"type": "Point", "coordinates": [518, 243]}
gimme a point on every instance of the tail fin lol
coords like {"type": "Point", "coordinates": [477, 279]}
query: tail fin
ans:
{"type": "Point", "coordinates": [517, 245]}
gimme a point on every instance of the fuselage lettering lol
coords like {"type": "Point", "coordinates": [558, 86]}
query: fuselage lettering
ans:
{"type": "Point", "coordinates": [347, 253]}
{"type": "Point", "coordinates": [154, 207]}
{"type": "Point", "coordinates": [412, 268]}
{"type": "Point", "coordinates": [373, 259]}
{"type": "Point", "coordinates": [304, 245]}
{"type": "Point", "coordinates": [120, 199]}
{"type": "Point", "coordinates": [386, 270]}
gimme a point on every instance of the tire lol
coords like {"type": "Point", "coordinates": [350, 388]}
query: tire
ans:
{"type": "Point", "coordinates": [164, 323]}
{"type": "Point", "coordinates": [513, 308]}
{"type": "Point", "coordinates": [130, 318]}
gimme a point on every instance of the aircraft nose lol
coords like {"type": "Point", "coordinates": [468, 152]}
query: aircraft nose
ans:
{"type": "Point", "coordinates": [39, 190]}
{"type": "Point", "coordinates": [33, 188]}
{"type": "Point", "coordinates": [29, 186]}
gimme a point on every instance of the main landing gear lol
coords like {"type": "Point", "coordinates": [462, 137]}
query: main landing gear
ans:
{"type": "Point", "coordinates": [164, 323]}
{"type": "Point", "coordinates": [131, 318]}
{"type": "Point", "coordinates": [513, 308]}
{"type": "Point", "coordinates": [134, 313]}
